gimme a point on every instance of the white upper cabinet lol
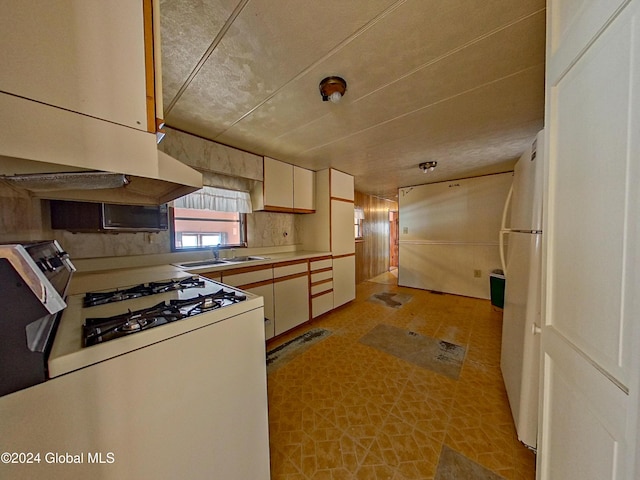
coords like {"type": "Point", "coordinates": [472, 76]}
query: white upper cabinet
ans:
{"type": "Point", "coordinates": [286, 188]}
{"type": "Point", "coordinates": [78, 87]}
{"type": "Point", "coordinates": [303, 190]}
{"type": "Point", "coordinates": [85, 56]}
{"type": "Point", "coordinates": [278, 185]}
{"type": "Point", "coordinates": [341, 185]}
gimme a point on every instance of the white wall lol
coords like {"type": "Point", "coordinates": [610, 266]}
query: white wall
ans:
{"type": "Point", "coordinates": [448, 231]}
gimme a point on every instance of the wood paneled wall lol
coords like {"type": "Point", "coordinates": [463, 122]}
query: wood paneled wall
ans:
{"type": "Point", "coordinates": [372, 252]}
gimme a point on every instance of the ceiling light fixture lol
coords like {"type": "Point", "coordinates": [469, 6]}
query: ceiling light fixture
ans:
{"type": "Point", "coordinates": [333, 88]}
{"type": "Point", "coordinates": [427, 167]}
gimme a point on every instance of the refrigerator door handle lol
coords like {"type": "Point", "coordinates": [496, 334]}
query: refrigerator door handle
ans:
{"type": "Point", "coordinates": [504, 230]}
{"type": "Point", "coordinates": [507, 203]}
{"type": "Point", "coordinates": [502, 259]}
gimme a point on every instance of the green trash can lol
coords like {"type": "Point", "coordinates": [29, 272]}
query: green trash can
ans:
{"type": "Point", "coordinates": [496, 282]}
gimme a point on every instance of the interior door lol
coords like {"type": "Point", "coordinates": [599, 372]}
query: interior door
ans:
{"type": "Point", "coordinates": [393, 239]}
{"type": "Point", "coordinates": [590, 335]}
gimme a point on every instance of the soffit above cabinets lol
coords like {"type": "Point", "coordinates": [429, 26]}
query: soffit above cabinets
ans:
{"type": "Point", "coordinates": [459, 82]}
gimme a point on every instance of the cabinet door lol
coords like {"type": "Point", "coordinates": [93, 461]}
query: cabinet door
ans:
{"type": "Point", "coordinates": [83, 56]}
{"type": "Point", "coordinates": [291, 298]}
{"type": "Point", "coordinates": [303, 190]}
{"type": "Point", "coordinates": [259, 281]}
{"type": "Point", "coordinates": [278, 185]}
{"type": "Point", "coordinates": [341, 185]}
{"type": "Point", "coordinates": [344, 279]}
{"type": "Point", "coordinates": [266, 292]}
{"type": "Point", "coordinates": [343, 238]}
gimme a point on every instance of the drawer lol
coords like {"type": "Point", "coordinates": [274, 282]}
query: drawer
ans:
{"type": "Point", "coordinates": [321, 287]}
{"type": "Point", "coordinates": [290, 269]}
{"type": "Point", "coordinates": [321, 304]}
{"type": "Point", "coordinates": [246, 276]}
{"type": "Point", "coordinates": [320, 276]}
{"type": "Point", "coordinates": [320, 264]}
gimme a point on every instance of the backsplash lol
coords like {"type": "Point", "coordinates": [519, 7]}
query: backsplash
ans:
{"type": "Point", "coordinates": [265, 229]}
{"type": "Point", "coordinates": [20, 216]}
{"type": "Point", "coordinates": [23, 218]}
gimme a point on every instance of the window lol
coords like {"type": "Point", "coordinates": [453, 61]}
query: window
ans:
{"type": "Point", "coordinates": [193, 228]}
{"type": "Point", "coordinates": [358, 220]}
{"type": "Point", "coordinates": [210, 217]}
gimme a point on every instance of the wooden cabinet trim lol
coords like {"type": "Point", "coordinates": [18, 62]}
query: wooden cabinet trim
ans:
{"type": "Point", "coordinates": [211, 275]}
{"type": "Point", "coordinates": [340, 199]}
{"type": "Point", "coordinates": [149, 65]}
{"type": "Point", "coordinates": [248, 286]}
{"type": "Point", "coordinates": [290, 262]}
{"type": "Point", "coordinates": [325, 292]}
{"type": "Point", "coordinates": [290, 277]}
{"type": "Point", "coordinates": [274, 208]}
{"type": "Point", "coordinates": [319, 259]}
{"type": "Point", "coordinates": [320, 282]}
{"type": "Point", "coordinates": [321, 270]}
{"type": "Point", "coordinates": [252, 268]}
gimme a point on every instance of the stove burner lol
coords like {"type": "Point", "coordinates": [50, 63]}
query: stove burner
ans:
{"type": "Point", "coordinates": [99, 330]}
{"type": "Point", "coordinates": [92, 299]}
{"type": "Point", "coordinates": [203, 303]}
{"type": "Point", "coordinates": [136, 324]}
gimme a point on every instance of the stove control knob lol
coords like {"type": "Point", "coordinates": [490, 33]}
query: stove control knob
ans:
{"type": "Point", "coordinates": [41, 265]}
{"type": "Point", "coordinates": [55, 262]}
{"type": "Point", "coordinates": [44, 265]}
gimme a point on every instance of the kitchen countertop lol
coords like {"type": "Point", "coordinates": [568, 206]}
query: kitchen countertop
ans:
{"type": "Point", "coordinates": [267, 260]}
{"type": "Point", "coordinates": [82, 282]}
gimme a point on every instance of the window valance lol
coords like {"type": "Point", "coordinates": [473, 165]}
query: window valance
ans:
{"type": "Point", "coordinates": [218, 199]}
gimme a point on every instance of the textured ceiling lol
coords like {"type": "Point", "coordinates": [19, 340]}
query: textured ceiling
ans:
{"type": "Point", "coordinates": [456, 81]}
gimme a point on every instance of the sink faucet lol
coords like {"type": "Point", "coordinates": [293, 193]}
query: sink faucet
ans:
{"type": "Point", "coordinates": [216, 252]}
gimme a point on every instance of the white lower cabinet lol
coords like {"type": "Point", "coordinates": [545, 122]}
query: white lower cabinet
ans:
{"type": "Point", "coordinates": [259, 281]}
{"type": "Point", "coordinates": [290, 296]}
{"type": "Point", "coordinates": [344, 279]}
{"type": "Point", "coordinates": [266, 292]}
{"type": "Point", "coordinates": [294, 291]}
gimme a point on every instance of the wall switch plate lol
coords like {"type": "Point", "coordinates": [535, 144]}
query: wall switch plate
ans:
{"type": "Point", "coordinates": [405, 230]}
{"type": "Point", "coordinates": [477, 273]}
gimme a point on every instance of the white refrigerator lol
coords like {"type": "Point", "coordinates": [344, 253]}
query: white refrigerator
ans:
{"type": "Point", "coordinates": [521, 237]}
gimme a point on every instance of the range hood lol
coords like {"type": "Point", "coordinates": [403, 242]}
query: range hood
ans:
{"type": "Point", "coordinates": [57, 154]}
{"type": "Point", "coordinates": [51, 181]}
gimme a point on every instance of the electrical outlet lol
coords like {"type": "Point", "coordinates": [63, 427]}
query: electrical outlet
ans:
{"type": "Point", "coordinates": [477, 273]}
{"type": "Point", "coordinates": [405, 230]}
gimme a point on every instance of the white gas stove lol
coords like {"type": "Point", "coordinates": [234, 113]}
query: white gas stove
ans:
{"type": "Point", "coordinates": [178, 388]}
{"type": "Point", "coordinates": [102, 324]}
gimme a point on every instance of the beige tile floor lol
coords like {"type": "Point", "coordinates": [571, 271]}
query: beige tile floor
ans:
{"type": "Point", "coordinates": [343, 410]}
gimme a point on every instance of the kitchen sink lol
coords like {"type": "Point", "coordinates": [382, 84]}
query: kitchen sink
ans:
{"type": "Point", "coordinates": [202, 263]}
{"type": "Point", "coordinates": [245, 259]}
{"type": "Point", "coordinates": [226, 261]}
